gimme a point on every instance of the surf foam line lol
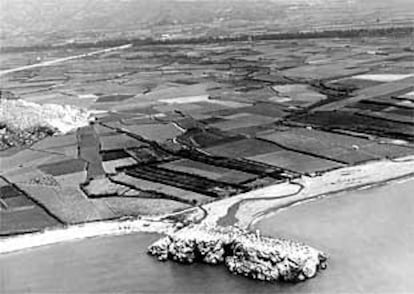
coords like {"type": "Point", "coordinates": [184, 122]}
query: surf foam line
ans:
{"type": "Point", "coordinates": [83, 231]}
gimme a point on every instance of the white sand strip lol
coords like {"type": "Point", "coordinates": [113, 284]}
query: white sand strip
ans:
{"type": "Point", "coordinates": [82, 231]}
{"type": "Point", "coordinates": [307, 187]}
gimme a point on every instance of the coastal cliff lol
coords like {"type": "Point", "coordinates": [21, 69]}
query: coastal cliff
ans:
{"type": "Point", "coordinates": [242, 252]}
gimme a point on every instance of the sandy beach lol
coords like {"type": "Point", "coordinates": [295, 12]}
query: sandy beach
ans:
{"type": "Point", "coordinates": [253, 205]}
{"type": "Point", "coordinates": [367, 234]}
{"type": "Point", "coordinates": [242, 210]}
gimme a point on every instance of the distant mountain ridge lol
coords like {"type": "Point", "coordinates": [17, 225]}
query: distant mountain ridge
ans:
{"type": "Point", "coordinates": [33, 21]}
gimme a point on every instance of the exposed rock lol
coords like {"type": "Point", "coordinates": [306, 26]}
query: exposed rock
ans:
{"type": "Point", "coordinates": [102, 186]}
{"type": "Point", "coordinates": [23, 123]}
{"type": "Point", "coordinates": [242, 252]}
{"type": "Point", "coordinates": [11, 137]}
{"type": "Point", "coordinates": [46, 180]}
{"type": "Point", "coordinates": [21, 115]}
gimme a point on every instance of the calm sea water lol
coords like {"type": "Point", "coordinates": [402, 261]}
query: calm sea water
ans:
{"type": "Point", "coordinates": [368, 234]}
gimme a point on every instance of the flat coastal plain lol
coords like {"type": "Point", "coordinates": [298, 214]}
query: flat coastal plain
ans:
{"type": "Point", "coordinates": [218, 133]}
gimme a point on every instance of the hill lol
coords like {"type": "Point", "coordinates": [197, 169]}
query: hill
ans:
{"type": "Point", "coordinates": [25, 22]}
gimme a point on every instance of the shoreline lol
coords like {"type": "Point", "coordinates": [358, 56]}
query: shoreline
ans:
{"type": "Point", "coordinates": [250, 207]}
{"type": "Point", "coordinates": [275, 210]}
{"type": "Point", "coordinates": [285, 194]}
{"type": "Point", "coordinates": [77, 232]}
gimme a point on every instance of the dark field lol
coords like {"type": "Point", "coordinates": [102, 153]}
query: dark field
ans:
{"type": "Point", "coordinates": [18, 201]}
{"type": "Point", "coordinates": [63, 167]}
{"type": "Point", "coordinates": [19, 214]}
{"type": "Point", "coordinates": [117, 142]}
{"type": "Point", "coordinates": [209, 171]}
{"type": "Point", "coordinates": [243, 148]}
{"type": "Point", "coordinates": [359, 123]}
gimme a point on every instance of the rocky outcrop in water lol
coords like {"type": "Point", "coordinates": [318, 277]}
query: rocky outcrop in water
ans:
{"type": "Point", "coordinates": [242, 252]}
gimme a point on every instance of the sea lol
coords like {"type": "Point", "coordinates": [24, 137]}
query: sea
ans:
{"type": "Point", "coordinates": [367, 234]}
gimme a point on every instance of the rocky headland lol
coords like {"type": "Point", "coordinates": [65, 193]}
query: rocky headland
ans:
{"type": "Point", "coordinates": [242, 252]}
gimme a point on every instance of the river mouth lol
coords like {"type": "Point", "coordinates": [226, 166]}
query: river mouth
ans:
{"type": "Point", "coordinates": [367, 234]}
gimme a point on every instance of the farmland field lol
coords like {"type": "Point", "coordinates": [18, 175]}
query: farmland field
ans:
{"type": "Point", "coordinates": [193, 122]}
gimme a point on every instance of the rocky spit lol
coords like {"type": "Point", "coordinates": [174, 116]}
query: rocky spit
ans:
{"type": "Point", "coordinates": [242, 252]}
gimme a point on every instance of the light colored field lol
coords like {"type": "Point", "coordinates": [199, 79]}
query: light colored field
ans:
{"type": "Point", "coordinates": [69, 204]}
{"type": "Point", "coordinates": [71, 180]}
{"type": "Point", "coordinates": [296, 162]}
{"type": "Point", "coordinates": [65, 145]}
{"type": "Point", "coordinates": [68, 151]}
{"type": "Point", "coordinates": [383, 77]}
{"type": "Point", "coordinates": [72, 101]}
{"type": "Point", "coordinates": [243, 122]}
{"type": "Point", "coordinates": [296, 93]}
{"type": "Point", "coordinates": [27, 158]}
{"type": "Point", "coordinates": [3, 183]}
{"type": "Point", "coordinates": [326, 71]}
{"type": "Point", "coordinates": [111, 165]}
{"type": "Point", "coordinates": [408, 96]}
{"type": "Point", "coordinates": [382, 90]}
{"type": "Point", "coordinates": [329, 145]}
{"type": "Point", "coordinates": [243, 148]}
{"type": "Point", "coordinates": [184, 107]}
{"type": "Point", "coordinates": [31, 176]}
{"type": "Point", "coordinates": [208, 107]}
{"type": "Point", "coordinates": [56, 141]}
{"type": "Point", "coordinates": [234, 116]}
{"type": "Point", "coordinates": [188, 99]}
{"type": "Point", "coordinates": [155, 132]}
{"type": "Point", "coordinates": [118, 141]}
{"type": "Point", "coordinates": [229, 103]}
{"type": "Point", "coordinates": [171, 93]}
{"type": "Point", "coordinates": [140, 206]}
{"type": "Point", "coordinates": [88, 96]}
{"type": "Point", "coordinates": [44, 97]}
